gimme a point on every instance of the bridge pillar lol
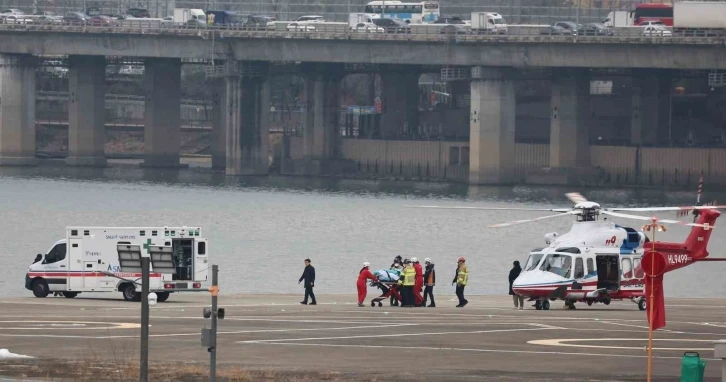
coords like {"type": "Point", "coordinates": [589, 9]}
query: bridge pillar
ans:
{"type": "Point", "coordinates": [218, 136]}
{"type": "Point", "coordinates": [400, 100]}
{"type": "Point", "coordinates": [569, 138]}
{"type": "Point", "coordinates": [162, 114]}
{"type": "Point", "coordinates": [17, 110]}
{"type": "Point", "coordinates": [491, 124]}
{"type": "Point", "coordinates": [86, 111]}
{"type": "Point", "coordinates": [321, 135]}
{"type": "Point", "coordinates": [651, 108]}
{"type": "Point", "coordinates": [246, 119]}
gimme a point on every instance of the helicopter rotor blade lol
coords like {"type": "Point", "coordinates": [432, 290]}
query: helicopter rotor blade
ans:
{"type": "Point", "coordinates": [575, 197]}
{"type": "Point", "coordinates": [657, 209]}
{"type": "Point", "coordinates": [492, 208]}
{"type": "Point", "coordinates": [515, 222]}
{"type": "Point", "coordinates": [664, 221]}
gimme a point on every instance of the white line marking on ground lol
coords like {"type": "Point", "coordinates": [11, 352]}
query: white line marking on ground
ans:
{"type": "Point", "coordinates": [393, 335]}
{"type": "Point", "coordinates": [466, 350]}
{"type": "Point", "coordinates": [62, 325]}
{"type": "Point", "coordinates": [562, 342]}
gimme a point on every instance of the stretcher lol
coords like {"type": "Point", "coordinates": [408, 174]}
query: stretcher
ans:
{"type": "Point", "coordinates": [388, 288]}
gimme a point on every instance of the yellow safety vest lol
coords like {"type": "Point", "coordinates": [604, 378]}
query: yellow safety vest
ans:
{"type": "Point", "coordinates": [408, 276]}
{"type": "Point", "coordinates": [463, 275]}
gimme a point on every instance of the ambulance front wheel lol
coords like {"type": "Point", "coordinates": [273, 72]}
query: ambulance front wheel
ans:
{"type": "Point", "coordinates": [129, 292]}
{"type": "Point", "coordinates": [40, 288]}
{"type": "Point", "coordinates": [642, 304]}
{"type": "Point", "coordinates": [162, 296]}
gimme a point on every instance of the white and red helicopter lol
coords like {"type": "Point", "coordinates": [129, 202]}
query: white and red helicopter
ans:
{"type": "Point", "coordinates": [598, 261]}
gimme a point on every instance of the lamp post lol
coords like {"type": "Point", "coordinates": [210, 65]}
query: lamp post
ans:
{"type": "Point", "coordinates": [655, 227]}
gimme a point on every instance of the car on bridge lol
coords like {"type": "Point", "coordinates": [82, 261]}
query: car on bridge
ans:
{"type": "Point", "coordinates": [450, 20]}
{"type": "Point", "coordinates": [310, 19]}
{"type": "Point", "coordinates": [102, 21]}
{"type": "Point", "coordinates": [300, 27]}
{"type": "Point", "coordinates": [596, 29]}
{"type": "Point", "coordinates": [12, 11]}
{"type": "Point", "coordinates": [16, 19]}
{"type": "Point", "coordinates": [367, 28]}
{"type": "Point", "coordinates": [657, 30]}
{"type": "Point", "coordinates": [75, 18]}
{"type": "Point", "coordinates": [392, 25]}
{"type": "Point", "coordinates": [138, 13]}
{"type": "Point", "coordinates": [562, 28]}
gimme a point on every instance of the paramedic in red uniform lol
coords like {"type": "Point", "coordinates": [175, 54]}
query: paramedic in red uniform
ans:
{"type": "Point", "coordinates": [363, 276]}
{"type": "Point", "coordinates": [418, 287]}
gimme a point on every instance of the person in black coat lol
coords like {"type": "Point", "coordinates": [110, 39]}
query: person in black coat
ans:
{"type": "Point", "coordinates": [513, 274]}
{"type": "Point", "coordinates": [309, 277]}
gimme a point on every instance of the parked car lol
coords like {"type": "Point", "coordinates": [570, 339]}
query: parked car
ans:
{"type": "Point", "coordinates": [258, 22]}
{"type": "Point", "coordinates": [367, 28]}
{"type": "Point", "coordinates": [392, 25]}
{"type": "Point", "coordinates": [12, 11]}
{"type": "Point", "coordinates": [562, 28]}
{"type": "Point", "coordinates": [647, 23]}
{"type": "Point", "coordinates": [300, 27]}
{"type": "Point", "coordinates": [310, 19]}
{"type": "Point", "coordinates": [75, 18]}
{"type": "Point", "coordinates": [453, 29]}
{"type": "Point", "coordinates": [450, 20]}
{"type": "Point", "coordinates": [102, 21]}
{"type": "Point", "coordinates": [596, 29]}
{"type": "Point", "coordinates": [16, 19]}
{"type": "Point", "coordinates": [138, 12]}
{"type": "Point", "coordinates": [657, 30]}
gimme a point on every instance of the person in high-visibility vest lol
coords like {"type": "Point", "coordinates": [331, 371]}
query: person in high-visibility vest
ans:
{"type": "Point", "coordinates": [363, 276]}
{"type": "Point", "coordinates": [407, 282]}
{"type": "Point", "coordinates": [461, 279]}
{"type": "Point", "coordinates": [418, 287]}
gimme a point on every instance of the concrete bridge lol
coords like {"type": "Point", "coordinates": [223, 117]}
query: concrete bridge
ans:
{"type": "Point", "coordinates": [243, 59]}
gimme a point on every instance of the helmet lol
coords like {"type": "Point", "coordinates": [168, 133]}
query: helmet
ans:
{"type": "Point", "coordinates": [427, 260]}
{"type": "Point", "coordinates": [414, 259]}
{"type": "Point", "coordinates": [462, 260]}
{"type": "Point", "coordinates": [366, 264]}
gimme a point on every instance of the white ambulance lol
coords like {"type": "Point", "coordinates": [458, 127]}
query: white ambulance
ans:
{"type": "Point", "coordinates": [87, 260]}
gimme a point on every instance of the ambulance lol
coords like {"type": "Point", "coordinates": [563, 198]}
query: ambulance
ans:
{"type": "Point", "coordinates": [87, 260]}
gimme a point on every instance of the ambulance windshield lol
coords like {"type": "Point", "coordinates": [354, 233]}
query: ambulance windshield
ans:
{"type": "Point", "coordinates": [558, 264]}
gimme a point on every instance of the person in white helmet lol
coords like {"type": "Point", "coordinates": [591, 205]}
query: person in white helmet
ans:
{"type": "Point", "coordinates": [429, 282]}
{"type": "Point", "coordinates": [363, 276]}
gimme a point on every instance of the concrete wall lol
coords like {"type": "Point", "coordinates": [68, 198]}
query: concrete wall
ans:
{"type": "Point", "coordinates": [449, 160]}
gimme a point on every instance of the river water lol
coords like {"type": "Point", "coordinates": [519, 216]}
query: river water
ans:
{"type": "Point", "coordinates": [261, 229]}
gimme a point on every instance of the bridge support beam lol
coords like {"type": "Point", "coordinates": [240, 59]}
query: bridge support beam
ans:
{"type": "Point", "coordinates": [162, 114]}
{"type": "Point", "coordinates": [86, 111]}
{"type": "Point", "coordinates": [218, 136]}
{"type": "Point", "coordinates": [651, 102]}
{"type": "Point", "coordinates": [17, 110]}
{"type": "Point", "coordinates": [321, 136]}
{"type": "Point", "coordinates": [246, 111]}
{"type": "Point", "coordinates": [400, 100]}
{"type": "Point", "coordinates": [569, 138]}
{"type": "Point", "coordinates": [492, 118]}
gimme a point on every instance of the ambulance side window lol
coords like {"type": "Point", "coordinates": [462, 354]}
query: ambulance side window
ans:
{"type": "Point", "coordinates": [201, 248]}
{"type": "Point", "coordinates": [56, 254]}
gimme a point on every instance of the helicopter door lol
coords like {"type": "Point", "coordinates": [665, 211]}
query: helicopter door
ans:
{"type": "Point", "coordinates": [608, 272]}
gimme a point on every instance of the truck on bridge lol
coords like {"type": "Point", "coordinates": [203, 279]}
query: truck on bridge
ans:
{"type": "Point", "coordinates": [699, 18]}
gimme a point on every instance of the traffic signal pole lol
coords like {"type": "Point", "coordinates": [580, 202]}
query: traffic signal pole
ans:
{"type": "Point", "coordinates": [213, 339]}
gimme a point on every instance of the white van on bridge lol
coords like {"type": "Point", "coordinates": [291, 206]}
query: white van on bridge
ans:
{"type": "Point", "coordinates": [87, 261]}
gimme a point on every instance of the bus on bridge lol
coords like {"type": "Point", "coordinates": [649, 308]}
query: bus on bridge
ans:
{"type": "Point", "coordinates": [412, 13]}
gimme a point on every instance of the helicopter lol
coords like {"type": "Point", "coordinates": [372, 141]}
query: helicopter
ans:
{"type": "Point", "coordinates": [599, 261]}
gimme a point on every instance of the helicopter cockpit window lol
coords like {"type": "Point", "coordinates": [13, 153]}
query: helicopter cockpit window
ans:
{"type": "Point", "coordinates": [533, 261]}
{"type": "Point", "coordinates": [560, 265]}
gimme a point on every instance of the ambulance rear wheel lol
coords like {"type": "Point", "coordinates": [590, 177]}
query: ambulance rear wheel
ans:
{"type": "Point", "coordinates": [40, 289]}
{"type": "Point", "coordinates": [129, 292]}
{"type": "Point", "coordinates": [69, 294]}
{"type": "Point", "coordinates": [642, 304]}
{"type": "Point", "coordinates": [162, 296]}
{"type": "Point", "coordinates": [545, 305]}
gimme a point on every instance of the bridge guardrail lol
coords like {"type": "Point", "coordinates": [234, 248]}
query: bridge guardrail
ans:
{"type": "Point", "coordinates": [417, 32]}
